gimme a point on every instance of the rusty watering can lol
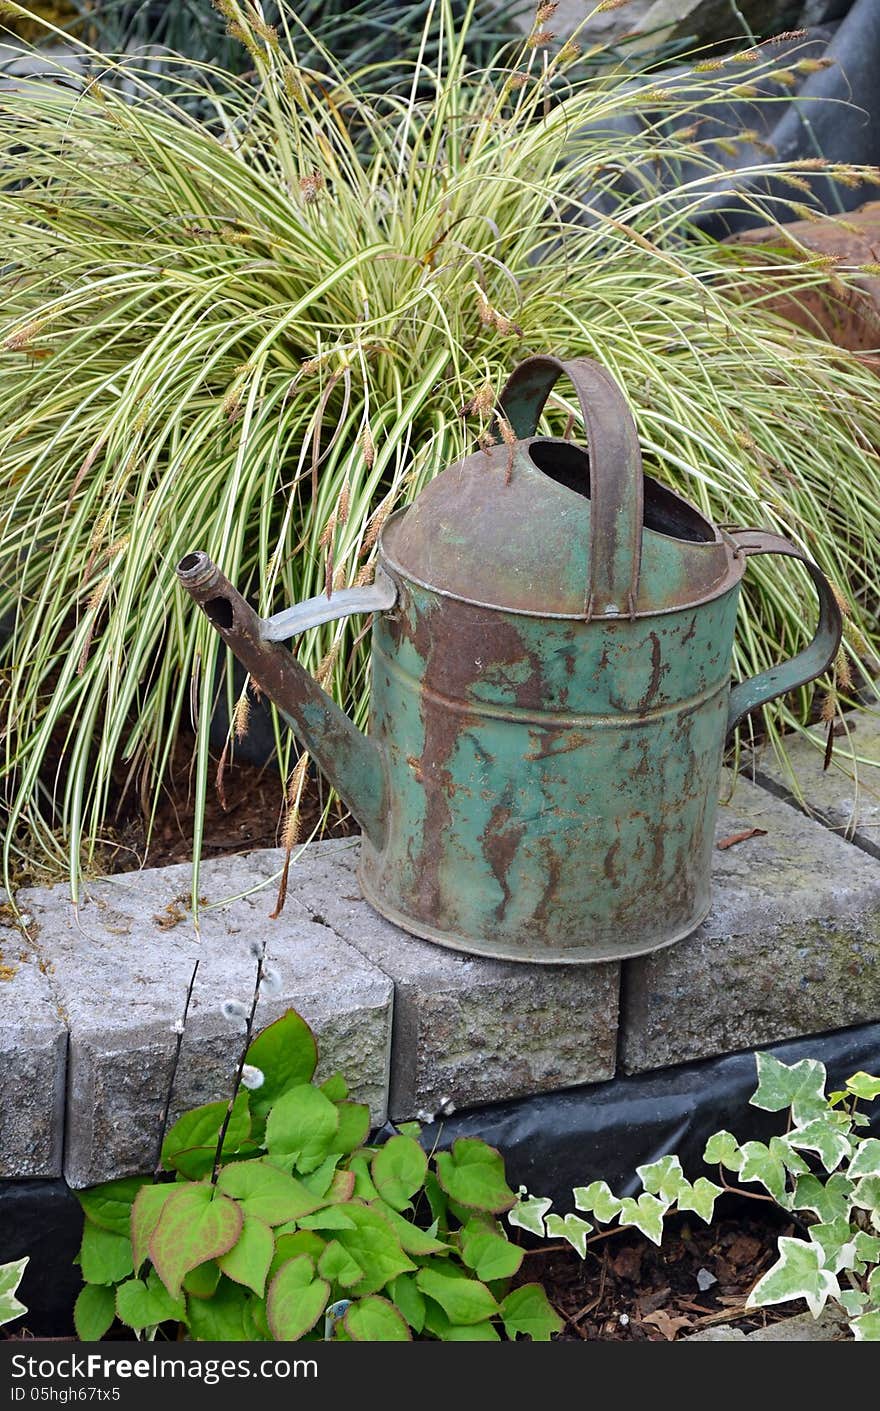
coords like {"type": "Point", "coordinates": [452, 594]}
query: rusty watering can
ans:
{"type": "Point", "coordinates": [552, 638]}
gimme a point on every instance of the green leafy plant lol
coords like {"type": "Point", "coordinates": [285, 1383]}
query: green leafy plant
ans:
{"type": "Point", "coordinates": [824, 1170]}
{"type": "Point", "coordinates": [276, 1221]}
{"type": "Point", "coordinates": [10, 1278]}
{"type": "Point", "coordinates": [261, 333]}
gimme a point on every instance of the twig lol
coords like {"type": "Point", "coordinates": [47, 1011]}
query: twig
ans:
{"type": "Point", "coordinates": [236, 1087]}
{"type": "Point", "coordinates": [158, 1172]}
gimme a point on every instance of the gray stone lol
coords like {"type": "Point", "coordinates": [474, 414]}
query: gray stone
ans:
{"type": "Point", "coordinates": [120, 968]}
{"type": "Point", "coordinates": [830, 1326]}
{"type": "Point", "coordinates": [33, 1057]}
{"type": "Point", "coordinates": [465, 1028]}
{"type": "Point", "coordinates": [846, 795]}
{"type": "Point", "coordinates": [714, 21]}
{"type": "Point", "coordinates": [791, 946]}
{"type": "Point", "coordinates": [602, 27]}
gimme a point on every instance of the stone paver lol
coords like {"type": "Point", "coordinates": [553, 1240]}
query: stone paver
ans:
{"type": "Point", "coordinates": [791, 946]}
{"type": "Point", "coordinates": [469, 1029]}
{"type": "Point", "coordinates": [830, 1326]}
{"type": "Point", "coordinates": [120, 969]}
{"type": "Point", "coordinates": [33, 1057]}
{"type": "Point", "coordinates": [845, 797]}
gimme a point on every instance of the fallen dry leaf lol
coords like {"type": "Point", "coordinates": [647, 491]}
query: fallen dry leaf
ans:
{"type": "Point", "coordinates": [669, 1325]}
{"type": "Point", "coordinates": [742, 837]}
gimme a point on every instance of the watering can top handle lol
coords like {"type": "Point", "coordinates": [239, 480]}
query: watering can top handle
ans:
{"type": "Point", "coordinates": [809, 663]}
{"type": "Point", "coordinates": [616, 481]}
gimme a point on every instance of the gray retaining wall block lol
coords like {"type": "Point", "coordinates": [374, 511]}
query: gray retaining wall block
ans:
{"type": "Point", "coordinates": [791, 946]}
{"type": "Point", "coordinates": [120, 970]}
{"type": "Point", "coordinates": [33, 1058]}
{"type": "Point", "coordinates": [467, 1028]}
{"type": "Point", "coordinates": [844, 798]}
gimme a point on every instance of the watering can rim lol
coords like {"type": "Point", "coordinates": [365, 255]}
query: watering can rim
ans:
{"type": "Point", "coordinates": [722, 585]}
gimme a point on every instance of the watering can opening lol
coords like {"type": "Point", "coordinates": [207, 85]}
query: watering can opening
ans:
{"type": "Point", "coordinates": [664, 512]}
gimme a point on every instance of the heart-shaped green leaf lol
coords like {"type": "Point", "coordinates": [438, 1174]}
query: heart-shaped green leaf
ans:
{"type": "Point", "coordinates": [489, 1254]}
{"type": "Point", "coordinates": [408, 1297]}
{"type": "Point", "coordinates": [302, 1124]}
{"type": "Point", "coordinates": [224, 1317]}
{"type": "Point", "coordinates": [527, 1311]}
{"type": "Point", "coordinates": [354, 1125]}
{"type": "Point", "coordinates": [145, 1214]}
{"type": "Point", "coordinates": [110, 1205]}
{"type": "Point", "coordinates": [398, 1170]}
{"type": "Point", "coordinates": [473, 1175]}
{"type": "Point", "coordinates": [190, 1146]}
{"type": "Point", "coordinates": [373, 1319]}
{"type": "Point", "coordinates": [104, 1257]}
{"type": "Point", "coordinates": [373, 1244]}
{"type": "Point", "coordinates": [247, 1262]}
{"type": "Point", "coordinates": [286, 1055]}
{"type": "Point", "coordinates": [462, 1300]}
{"type": "Point", "coordinates": [337, 1266]}
{"type": "Point", "coordinates": [146, 1303]}
{"type": "Point", "coordinates": [93, 1312]}
{"type": "Point", "coordinates": [196, 1223]}
{"type": "Point", "coordinates": [265, 1192]}
{"type": "Point", "coordinates": [296, 1299]}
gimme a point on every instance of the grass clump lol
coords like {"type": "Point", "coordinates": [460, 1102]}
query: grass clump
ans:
{"type": "Point", "coordinates": [259, 332]}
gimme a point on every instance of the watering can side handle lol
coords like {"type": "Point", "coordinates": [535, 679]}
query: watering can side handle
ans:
{"type": "Point", "coordinates": [378, 596]}
{"type": "Point", "coordinates": [809, 663]}
{"type": "Point", "coordinates": [616, 478]}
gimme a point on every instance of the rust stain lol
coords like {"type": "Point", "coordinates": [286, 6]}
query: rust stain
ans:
{"type": "Point", "coordinates": [500, 840]}
{"type": "Point", "coordinates": [656, 672]}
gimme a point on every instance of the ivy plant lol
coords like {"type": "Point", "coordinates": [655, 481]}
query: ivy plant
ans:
{"type": "Point", "coordinates": [10, 1278]}
{"type": "Point", "coordinates": [273, 1219]}
{"type": "Point", "coordinates": [824, 1169]}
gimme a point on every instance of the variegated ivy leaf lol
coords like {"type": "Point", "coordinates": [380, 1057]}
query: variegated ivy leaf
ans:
{"type": "Point", "coordinates": [10, 1278]}
{"type": "Point", "coordinates": [798, 1273]}
{"type": "Point", "coordinates": [835, 1239]}
{"type": "Point", "coordinates": [699, 1197]}
{"type": "Point", "coordinates": [767, 1165]}
{"type": "Point", "coordinates": [852, 1301]}
{"type": "Point", "coordinates": [598, 1198]}
{"type": "Point", "coordinates": [866, 1328]}
{"type": "Point", "coordinates": [874, 1286]}
{"type": "Point", "coordinates": [664, 1178]}
{"type": "Point", "coordinates": [722, 1149]}
{"type": "Point", "coordinates": [867, 1194]}
{"type": "Point", "coordinates": [800, 1086]}
{"type": "Point", "coordinates": [828, 1200]}
{"type": "Point", "coordinates": [529, 1212]}
{"type": "Point", "coordinates": [868, 1248]}
{"type": "Point", "coordinates": [571, 1228]}
{"type": "Point", "coordinates": [646, 1214]}
{"type": "Point", "coordinates": [824, 1136]}
{"type": "Point", "coordinates": [864, 1086]}
{"type": "Point", "coordinates": [866, 1161]}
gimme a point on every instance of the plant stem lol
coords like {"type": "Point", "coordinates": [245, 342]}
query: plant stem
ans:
{"type": "Point", "coordinates": [158, 1172]}
{"type": "Point", "coordinates": [249, 1028]}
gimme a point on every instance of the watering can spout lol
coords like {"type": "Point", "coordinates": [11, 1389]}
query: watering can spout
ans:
{"type": "Point", "coordinates": [352, 763]}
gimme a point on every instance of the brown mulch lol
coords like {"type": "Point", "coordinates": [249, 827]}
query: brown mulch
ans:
{"type": "Point", "coordinates": [249, 815]}
{"type": "Point", "coordinates": [629, 1290]}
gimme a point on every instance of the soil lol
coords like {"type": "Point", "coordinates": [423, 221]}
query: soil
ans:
{"type": "Point", "coordinates": [629, 1290]}
{"type": "Point", "coordinates": [248, 814]}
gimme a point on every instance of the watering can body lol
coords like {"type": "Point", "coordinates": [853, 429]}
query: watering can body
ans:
{"type": "Point", "coordinates": [550, 699]}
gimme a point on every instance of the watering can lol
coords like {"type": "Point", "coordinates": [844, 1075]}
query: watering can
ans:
{"type": "Point", "coordinates": [551, 649]}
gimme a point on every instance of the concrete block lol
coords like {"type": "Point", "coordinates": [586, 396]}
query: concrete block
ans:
{"type": "Point", "coordinates": [845, 797]}
{"type": "Point", "coordinates": [466, 1028]}
{"type": "Point", "coordinates": [120, 969]}
{"type": "Point", "coordinates": [33, 1057]}
{"type": "Point", "coordinates": [791, 946]}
